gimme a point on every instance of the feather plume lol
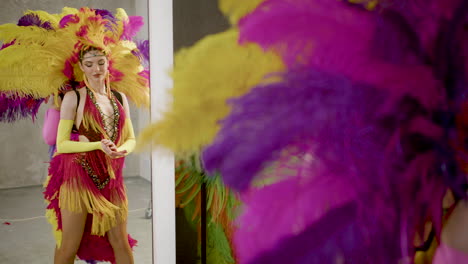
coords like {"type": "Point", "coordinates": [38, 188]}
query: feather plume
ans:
{"type": "Point", "coordinates": [38, 61]}
{"type": "Point", "coordinates": [191, 121]}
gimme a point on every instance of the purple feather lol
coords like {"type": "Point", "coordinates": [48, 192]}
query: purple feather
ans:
{"type": "Point", "coordinates": [14, 107]}
{"type": "Point", "coordinates": [6, 45]}
{"type": "Point", "coordinates": [379, 145]}
{"type": "Point", "coordinates": [271, 225]}
{"type": "Point", "coordinates": [299, 29]}
{"type": "Point", "coordinates": [105, 14]}
{"type": "Point", "coordinates": [111, 20]}
{"type": "Point", "coordinates": [34, 20]}
{"type": "Point", "coordinates": [357, 138]}
{"type": "Point", "coordinates": [336, 37]}
{"type": "Point", "coordinates": [451, 55]}
{"type": "Point", "coordinates": [396, 41]}
{"type": "Point", "coordinates": [308, 103]}
{"type": "Point", "coordinates": [142, 52]}
{"type": "Point", "coordinates": [265, 225]}
{"type": "Point", "coordinates": [426, 17]}
{"type": "Point", "coordinates": [318, 243]}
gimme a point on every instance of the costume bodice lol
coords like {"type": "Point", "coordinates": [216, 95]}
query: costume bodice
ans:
{"type": "Point", "coordinates": [97, 123]}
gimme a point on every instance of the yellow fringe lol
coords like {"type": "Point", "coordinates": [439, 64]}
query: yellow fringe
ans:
{"type": "Point", "coordinates": [106, 214]}
{"type": "Point", "coordinates": [89, 123]}
{"type": "Point", "coordinates": [110, 169]}
{"type": "Point", "coordinates": [207, 74]}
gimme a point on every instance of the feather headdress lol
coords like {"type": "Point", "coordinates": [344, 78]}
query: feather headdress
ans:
{"type": "Point", "coordinates": [40, 54]}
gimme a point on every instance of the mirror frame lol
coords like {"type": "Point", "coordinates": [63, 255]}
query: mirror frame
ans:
{"type": "Point", "coordinates": [160, 33]}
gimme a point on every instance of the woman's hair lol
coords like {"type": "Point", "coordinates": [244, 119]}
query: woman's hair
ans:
{"type": "Point", "coordinates": [87, 49]}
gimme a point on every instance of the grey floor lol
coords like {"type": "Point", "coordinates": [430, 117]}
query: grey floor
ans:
{"type": "Point", "coordinates": [26, 237]}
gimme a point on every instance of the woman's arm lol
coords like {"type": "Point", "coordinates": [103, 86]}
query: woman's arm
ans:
{"type": "Point", "coordinates": [129, 141]}
{"type": "Point", "coordinates": [67, 119]}
{"type": "Point", "coordinates": [51, 120]}
{"type": "Point", "coordinates": [49, 129]}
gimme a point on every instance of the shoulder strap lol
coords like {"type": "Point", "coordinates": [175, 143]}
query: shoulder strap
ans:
{"type": "Point", "coordinates": [77, 99]}
{"type": "Point", "coordinates": [118, 96]}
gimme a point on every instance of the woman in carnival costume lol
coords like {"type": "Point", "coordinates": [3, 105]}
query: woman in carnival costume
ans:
{"type": "Point", "coordinates": [87, 203]}
{"type": "Point", "coordinates": [341, 125]}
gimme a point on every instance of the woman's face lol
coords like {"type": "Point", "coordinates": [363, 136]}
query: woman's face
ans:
{"type": "Point", "coordinates": [94, 64]}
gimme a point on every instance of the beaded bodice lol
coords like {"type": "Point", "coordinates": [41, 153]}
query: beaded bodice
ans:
{"type": "Point", "coordinates": [109, 123]}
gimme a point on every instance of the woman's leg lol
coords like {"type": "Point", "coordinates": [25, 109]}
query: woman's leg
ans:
{"type": "Point", "coordinates": [118, 239]}
{"type": "Point", "coordinates": [453, 248]}
{"type": "Point", "coordinates": [73, 225]}
{"type": "Point", "coordinates": [455, 231]}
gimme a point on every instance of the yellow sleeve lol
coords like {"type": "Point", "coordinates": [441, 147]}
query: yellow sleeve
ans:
{"type": "Point", "coordinates": [65, 145]}
{"type": "Point", "coordinates": [130, 142]}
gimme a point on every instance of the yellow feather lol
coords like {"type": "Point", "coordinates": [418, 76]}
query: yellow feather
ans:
{"type": "Point", "coordinates": [89, 123]}
{"type": "Point", "coordinates": [207, 74]}
{"type": "Point", "coordinates": [35, 64]}
{"type": "Point", "coordinates": [23, 35]}
{"type": "Point", "coordinates": [52, 219]}
{"type": "Point", "coordinates": [53, 19]}
{"type": "Point", "coordinates": [30, 71]}
{"type": "Point", "coordinates": [122, 16]}
{"type": "Point", "coordinates": [134, 86]}
{"type": "Point", "coordinates": [68, 10]}
{"type": "Point", "coordinates": [236, 9]}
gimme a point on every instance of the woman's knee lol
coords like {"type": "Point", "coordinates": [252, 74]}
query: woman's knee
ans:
{"type": "Point", "coordinates": [67, 251]}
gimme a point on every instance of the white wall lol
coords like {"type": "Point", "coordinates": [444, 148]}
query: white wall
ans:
{"type": "Point", "coordinates": [141, 8]}
{"type": "Point", "coordinates": [23, 154]}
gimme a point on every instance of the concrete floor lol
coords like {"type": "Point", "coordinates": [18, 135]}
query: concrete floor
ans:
{"type": "Point", "coordinates": [28, 239]}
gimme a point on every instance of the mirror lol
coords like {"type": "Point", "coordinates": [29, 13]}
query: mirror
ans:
{"type": "Point", "coordinates": [27, 236]}
{"type": "Point", "coordinates": [198, 239]}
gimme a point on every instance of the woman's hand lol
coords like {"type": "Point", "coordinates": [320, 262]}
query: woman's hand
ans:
{"type": "Point", "coordinates": [111, 149]}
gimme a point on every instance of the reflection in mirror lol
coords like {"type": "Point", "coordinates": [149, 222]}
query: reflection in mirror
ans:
{"type": "Point", "coordinates": [200, 237]}
{"type": "Point", "coordinates": [27, 236]}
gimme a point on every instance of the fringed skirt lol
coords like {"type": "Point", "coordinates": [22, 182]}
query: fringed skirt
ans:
{"type": "Point", "coordinates": [93, 183]}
